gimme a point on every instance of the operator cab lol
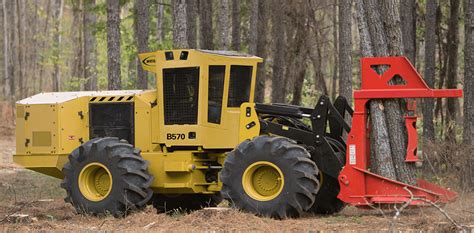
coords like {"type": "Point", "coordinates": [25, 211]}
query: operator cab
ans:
{"type": "Point", "coordinates": [200, 93]}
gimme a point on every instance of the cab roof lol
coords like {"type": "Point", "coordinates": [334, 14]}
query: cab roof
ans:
{"type": "Point", "coordinates": [227, 53]}
{"type": "Point", "coordinates": [182, 57]}
{"type": "Point", "coordinates": [61, 97]}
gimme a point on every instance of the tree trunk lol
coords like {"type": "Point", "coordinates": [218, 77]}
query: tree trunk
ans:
{"type": "Point", "coordinates": [315, 51]}
{"type": "Point", "coordinates": [90, 46]}
{"type": "Point", "coordinates": [408, 25]}
{"type": "Point", "coordinates": [278, 33]}
{"type": "Point", "coordinates": [142, 32]}
{"type": "Point", "coordinates": [297, 68]}
{"type": "Point", "coordinates": [442, 64]}
{"type": "Point", "coordinates": [299, 79]}
{"type": "Point", "coordinates": [345, 48]}
{"type": "Point", "coordinates": [180, 38]}
{"type": "Point", "coordinates": [33, 55]}
{"type": "Point", "coordinates": [395, 108]}
{"type": "Point", "coordinates": [381, 155]}
{"type": "Point", "coordinates": [316, 59]}
{"type": "Point", "coordinates": [253, 27]}
{"type": "Point", "coordinates": [113, 45]}
{"type": "Point", "coordinates": [43, 43]}
{"type": "Point", "coordinates": [58, 12]}
{"type": "Point", "coordinates": [205, 17]}
{"type": "Point", "coordinates": [8, 87]}
{"type": "Point", "coordinates": [223, 24]}
{"type": "Point", "coordinates": [451, 81]}
{"type": "Point", "coordinates": [468, 133]}
{"type": "Point", "coordinates": [15, 44]}
{"type": "Point", "coordinates": [261, 45]}
{"type": "Point", "coordinates": [13, 48]}
{"type": "Point", "coordinates": [300, 62]}
{"type": "Point", "coordinates": [160, 35]}
{"type": "Point", "coordinates": [77, 67]}
{"type": "Point", "coordinates": [236, 24]}
{"type": "Point", "coordinates": [291, 48]}
{"type": "Point", "coordinates": [21, 47]}
{"type": "Point", "coordinates": [191, 23]}
{"type": "Point", "coordinates": [335, 37]}
{"type": "Point", "coordinates": [2, 51]}
{"type": "Point", "coordinates": [430, 66]}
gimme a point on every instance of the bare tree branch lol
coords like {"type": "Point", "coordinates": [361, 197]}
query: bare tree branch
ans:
{"type": "Point", "coordinates": [463, 228]}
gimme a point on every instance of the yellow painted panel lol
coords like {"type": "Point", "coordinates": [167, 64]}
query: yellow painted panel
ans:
{"type": "Point", "coordinates": [143, 120]}
{"type": "Point", "coordinates": [155, 124]}
{"type": "Point", "coordinates": [41, 118]}
{"type": "Point", "coordinates": [20, 111]}
{"type": "Point", "coordinates": [41, 138]}
{"type": "Point", "coordinates": [74, 124]}
{"type": "Point", "coordinates": [172, 170]}
{"type": "Point", "coordinates": [20, 130]}
{"type": "Point", "coordinates": [148, 61]}
{"type": "Point", "coordinates": [47, 164]}
{"type": "Point", "coordinates": [249, 124]}
{"type": "Point", "coordinates": [177, 166]}
{"type": "Point", "coordinates": [175, 185]}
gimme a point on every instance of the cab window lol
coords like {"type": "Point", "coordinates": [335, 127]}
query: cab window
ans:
{"type": "Point", "coordinates": [215, 93]}
{"type": "Point", "coordinates": [239, 86]}
{"type": "Point", "coordinates": [181, 93]}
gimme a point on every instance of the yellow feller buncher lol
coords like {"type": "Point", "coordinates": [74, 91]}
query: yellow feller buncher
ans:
{"type": "Point", "coordinates": [199, 137]}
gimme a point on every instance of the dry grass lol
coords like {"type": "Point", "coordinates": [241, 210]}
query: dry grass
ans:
{"type": "Point", "coordinates": [58, 216]}
{"type": "Point", "coordinates": [446, 163]}
{"type": "Point", "coordinates": [23, 192]}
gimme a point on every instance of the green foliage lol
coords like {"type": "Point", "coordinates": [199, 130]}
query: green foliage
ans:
{"type": "Point", "coordinates": [50, 54]}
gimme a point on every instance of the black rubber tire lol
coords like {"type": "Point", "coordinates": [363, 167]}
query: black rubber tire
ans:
{"type": "Point", "coordinates": [299, 172]}
{"type": "Point", "coordinates": [167, 203]}
{"type": "Point", "coordinates": [340, 150]}
{"type": "Point", "coordinates": [326, 199]}
{"type": "Point", "coordinates": [130, 178]}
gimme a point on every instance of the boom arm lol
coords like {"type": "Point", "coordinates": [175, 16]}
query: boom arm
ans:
{"type": "Point", "coordinates": [327, 148]}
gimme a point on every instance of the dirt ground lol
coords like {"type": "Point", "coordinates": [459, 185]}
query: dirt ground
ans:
{"type": "Point", "coordinates": [40, 198]}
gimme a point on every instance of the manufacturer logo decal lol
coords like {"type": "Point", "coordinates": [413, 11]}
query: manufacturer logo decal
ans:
{"type": "Point", "coordinates": [149, 61]}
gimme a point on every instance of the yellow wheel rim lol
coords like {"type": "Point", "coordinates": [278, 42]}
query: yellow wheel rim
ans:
{"type": "Point", "coordinates": [321, 179]}
{"type": "Point", "coordinates": [263, 181]}
{"type": "Point", "coordinates": [95, 181]}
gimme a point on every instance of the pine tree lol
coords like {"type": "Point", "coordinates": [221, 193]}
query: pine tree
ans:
{"type": "Point", "coordinates": [113, 45]}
